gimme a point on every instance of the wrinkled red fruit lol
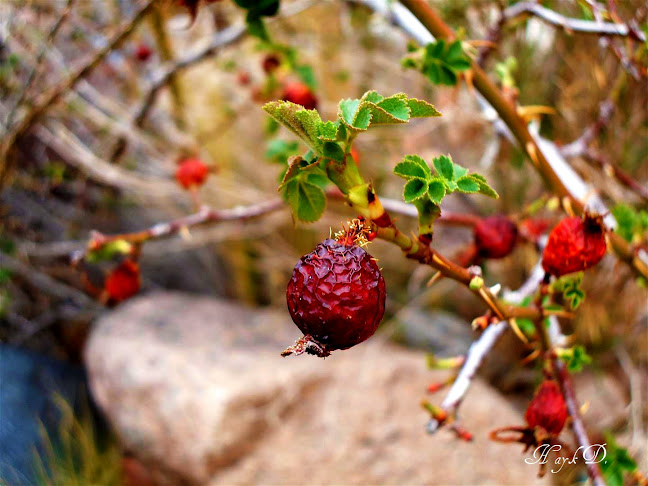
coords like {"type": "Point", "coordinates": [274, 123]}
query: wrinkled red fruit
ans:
{"type": "Point", "coordinates": [123, 281]}
{"type": "Point", "coordinates": [336, 297]}
{"type": "Point", "coordinates": [547, 409]}
{"type": "Point", "coordinates": [191, 173]}
{"type": "Point", "coordinates": [574, 245]}
{"type": "Point", "coordinates": [495, 237]}
{"type": "Point", "coordinates": [300, 94]}
{"type": "Point", "coordinates": [143, 52]}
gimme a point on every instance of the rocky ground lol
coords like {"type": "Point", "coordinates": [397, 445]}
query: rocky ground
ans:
{"type": "Point", "coordinates": [196, 389]}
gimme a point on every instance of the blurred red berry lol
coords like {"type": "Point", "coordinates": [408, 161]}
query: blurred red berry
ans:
{"type": "Point", "coordinates": [533, 228]}
{"type": "Point", "coordinates": [336, 296]}
{"type": "Point", "coordinates": [143, 52]}
{"type": "Point", "coordinates": [300, 94]}
{"type": "Point", "coordinates": [547, 409]}
{"type": "Point", "coordinates": [270, 63]}
{"type": "Point", "coordinates": [123, 281]}
{"type": "Point", "coordinates": [495, 236]}
{"type": "Point", "coordinates": [243, 78]}
{"type": "Point", "coordinates": [575, 244]}
{"type": "Point", "coordinates": [191, 173]}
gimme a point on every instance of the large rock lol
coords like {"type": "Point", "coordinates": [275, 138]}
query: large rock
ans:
{"type": "Point", "coordinates": [196, 387]}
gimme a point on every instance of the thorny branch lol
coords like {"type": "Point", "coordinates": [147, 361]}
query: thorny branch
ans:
{"type": "Point", "coordinates": [573, 25]}
{"type": "Point", "coordinates": [55, 93]}
{"type": "Point", "coordinates": [39, 59]}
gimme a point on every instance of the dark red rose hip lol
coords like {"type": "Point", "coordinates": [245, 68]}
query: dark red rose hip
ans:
{"type": "Point", "coordinates": [547, 409]}
{"type": "Point", "coordinates": [495, 237]}
{"type": "Point", "coordinates": [575, 244]}
{"type": "Point", "coordinates": [336, 297]}
{"type": "Point", "coordinates": [300, 94]}
{"type": "Point", "coordinates": [123, 281]}
{"type": "Point", "coordinates": [191, 173]}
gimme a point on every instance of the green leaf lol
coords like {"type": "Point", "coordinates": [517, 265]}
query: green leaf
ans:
{"type": "Point", "coordinates": [279, 150]}
{"type": "Point", "coordinates": [467, 185]}
{"type": "Point", "coordinates": [354, 115]}
{"type": "Point", "coordinates": [307, 75]}
{"type": "Point", "coordinates": [306, 200]}
{"type": "Point", "coordinates": [328, 131]}
{"type": "Point", "coordinates": [303, 123]}
{"type": "Point", "coordinates": [576, 358]}
{"type": "Point", "coordinates": [5, 276]}
{"type": "Point", "coordinates": [109, 251]}
{"type": "Point", "coordinates": [444, 167]}
{"type": "Point", "coordinates": [420, 162]}
{"type": "Point", "coordinates": [439, 61]}
{"type": "Point", "coordinates": [617, 462]}
{"type": "Point", "coordinates": [396, 106]}
{"type": "Point", "coordinates": [421, 109]}
{"type": "Point", "coordinates": [332, 150]}
{"type": "Point", "coordinates": [484, 188]}
{"type": "Point", "coordinates": [436, 190]}
{"type": "Point", "coordinates": [631, 223]}
{"type": "Point", "coordinates": [409, 169]}
{"type": "Point", "coordinates": [414, 189]}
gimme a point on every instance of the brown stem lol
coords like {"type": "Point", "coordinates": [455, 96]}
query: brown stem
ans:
{"type": "Point", "coordinates": [516, 124]}
{"type": "Point", "coordinates": [203, 216]}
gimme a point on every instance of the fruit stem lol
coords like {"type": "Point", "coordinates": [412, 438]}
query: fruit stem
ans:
{"type": "Point", "coordinates": [306, 344]}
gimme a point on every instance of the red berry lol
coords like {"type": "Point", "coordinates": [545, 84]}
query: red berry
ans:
{"type": "Point", "coordinates": [574, 245]}
{"type": "Point", "coordinates": [143, 52]}
{"type": "Point", "coordinates": [300, 94]}
{"type": "Point", "coordinates": [336, 296]}
{"type": "Point", "coordinates": [270, 63]}
{"type": "Point", "coordinates": [123, 281]}
{"type": "Point", "coordinates": [243, 78]}
{"type": "Point", "coordinates": [547, 409]}
{"type": "Point", "coordinates": [495, 236]}
{"type": "Point", "coordinates": [191, 173]}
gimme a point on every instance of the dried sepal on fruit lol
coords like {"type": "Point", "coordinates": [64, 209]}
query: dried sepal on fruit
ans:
{"type": "Point", "coordinates": [336, 295]}
{"type": "Point", "coordinates": [575, 244]}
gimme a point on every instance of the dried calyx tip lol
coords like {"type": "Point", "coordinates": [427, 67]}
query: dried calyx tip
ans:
{"type": "Point", "coordinates": [357, 233]}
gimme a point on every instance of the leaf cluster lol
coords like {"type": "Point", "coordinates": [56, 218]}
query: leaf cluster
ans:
{"type": "Point", "coordinates": [440, 61]}
{"type": "Point", "coordinates": [570, 288]}
{"type": "Point", "coordinates": [632, 224]}
{"type": "Point", "coordinates": [618, 461]}
{"type": "Point", "coordinates": [448, 177]}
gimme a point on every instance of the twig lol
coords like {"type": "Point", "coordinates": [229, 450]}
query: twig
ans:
{"type": "Point", "coordinates": [635, 381]}
{"type": "Point", "coordinates": [480, 348]}
{"type": "Point", "coordinates": [580, 433]}
{"type": "Point", "coordinates": [571, 24]}
{"type": "Point", "coordinates": [52, 95]}
{"type": "Point", "coordinates": [578, 146]}
{"type": "Point", "coordinates": [39, 59]}
{"type": "Point", "coordinates": [204, 216]}
{"type": "Point", "coordinates": [45, 283]}
{"type": "Point", "coordinates": [610, 169]}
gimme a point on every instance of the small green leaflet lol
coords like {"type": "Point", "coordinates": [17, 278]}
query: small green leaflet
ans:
{"type": "Point", "coordinates": [302, 189]}
{"type": "Point", "coordinates": [570, 287]}
{"type": "Point", "coordinates": [631, 223]}
{"type": "Point", "coordinates": [576, 358]}
{"type": "Point", "coordinates": [439, 61]}
{"type": "Point", "coordinates": [256, 9]}
{"type": "Point", "coordinates": [450, 177]}
{"type": "Point", "coordinates": [618, 462]}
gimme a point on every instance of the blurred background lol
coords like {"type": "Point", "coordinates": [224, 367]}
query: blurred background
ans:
{"type": "Point", "coordinates": [183, 383]}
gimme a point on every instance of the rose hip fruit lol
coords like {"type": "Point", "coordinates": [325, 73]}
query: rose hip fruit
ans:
{"type": "Point", "coordinates": [336, 297]}
{"type": "Point", "coordinates": [547, 409]}
{"type": "Point", "coordinates": [143, 52]}
{"type": "Point", "coordinates": [270, 63]}
{"type": "Point", "coordinates": [123, 281]}
{"type": "Point", "coordinates": [495, 237]}
{"type": "Point", "coordinates": [191, 173]}
{"type": "Point", "coordinates": [300, 94]}
{"type": "Point", "coordinates": [575, 244]}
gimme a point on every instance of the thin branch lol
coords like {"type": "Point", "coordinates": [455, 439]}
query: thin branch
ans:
{"type": "Point", "coordinates": [612, 170]}
{"type": "Point", "coordinates": [571, 24]}
{"type": "Point", "coordinates": [39, 59]}
{"type": "Point", "coordinates": [204, 216]}
{"type": "Point", "coordinates": [544, 154]}
{"type": "Point", "coordinates": [55, 93]}
{"type": "Point", "coordinates": [480, 349]}
{"type": "Point", "coordinates": [578, 427]}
